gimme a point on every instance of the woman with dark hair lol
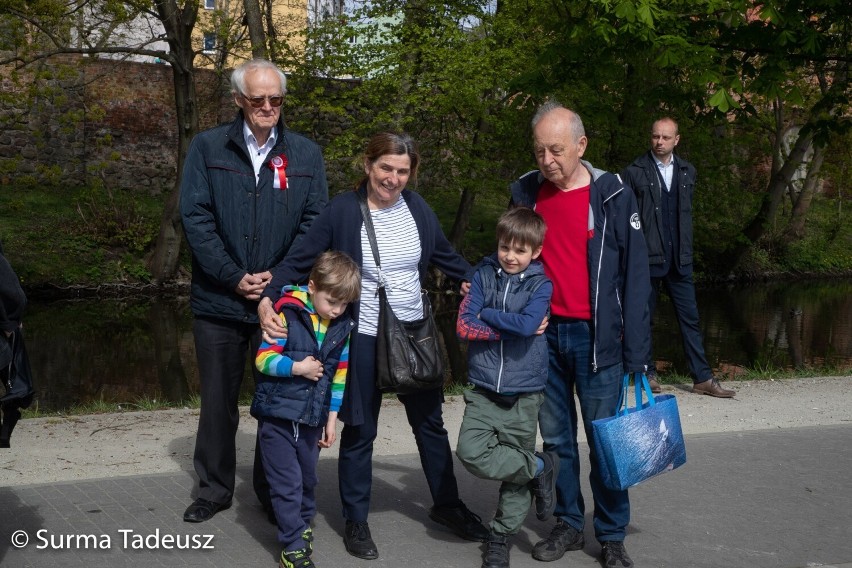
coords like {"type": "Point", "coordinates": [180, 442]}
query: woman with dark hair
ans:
{"type": "Point", "coordinates": [409, 239]}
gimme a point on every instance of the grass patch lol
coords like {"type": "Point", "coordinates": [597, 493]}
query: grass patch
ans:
{"type": "Point", "coordinates": [100, 406]}
{"type": "Point", "coordinates": [66, 236]}
{"type": "Point", "coordinates": [761, 372]}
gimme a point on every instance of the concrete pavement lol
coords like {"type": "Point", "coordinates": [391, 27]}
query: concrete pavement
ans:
{"type": "Point", "coordinates": [765, 498]}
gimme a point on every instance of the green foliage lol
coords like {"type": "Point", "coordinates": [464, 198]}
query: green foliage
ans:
{"type": "Point", "coordinates": [84, 237]}
{"type": "Point", "coordinates": [113, 218]}
{"type": "Point", "coordinates": [464, 77]}
{"type": "Point", "coordinates": [827, 245]}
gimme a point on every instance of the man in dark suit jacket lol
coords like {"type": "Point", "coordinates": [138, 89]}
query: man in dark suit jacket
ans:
{"type": "Point", "coordinates": [664, 185]}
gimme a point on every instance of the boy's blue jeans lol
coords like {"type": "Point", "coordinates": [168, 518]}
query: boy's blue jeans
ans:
{"type": "Point", "coordinates": [569, 370]}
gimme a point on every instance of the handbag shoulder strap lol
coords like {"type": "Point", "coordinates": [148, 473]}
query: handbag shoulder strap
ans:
{"type": "Point", "coordinates": [368, 225]}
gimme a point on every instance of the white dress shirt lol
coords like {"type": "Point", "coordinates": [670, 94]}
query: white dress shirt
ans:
{"type": "Point", "coordinates": [666, 171]}
{"type": "Point", "coordinates": [258, 154]}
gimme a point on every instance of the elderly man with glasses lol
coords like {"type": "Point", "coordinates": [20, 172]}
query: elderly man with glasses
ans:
{"type": "Point", "coordinates": [249, 190]}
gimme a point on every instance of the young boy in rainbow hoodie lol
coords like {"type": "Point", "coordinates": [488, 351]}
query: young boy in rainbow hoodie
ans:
{"type": "Point", "coordinates": [297, 402]}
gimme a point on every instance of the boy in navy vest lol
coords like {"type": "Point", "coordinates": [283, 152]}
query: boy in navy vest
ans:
{"type": "Point", "coordinates": [507, 359]}
{"type": "Point", "coordinates": [297, 401]}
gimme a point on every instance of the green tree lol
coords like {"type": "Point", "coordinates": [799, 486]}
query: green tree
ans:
{"type": "Point", "coordinates": [777, 70]}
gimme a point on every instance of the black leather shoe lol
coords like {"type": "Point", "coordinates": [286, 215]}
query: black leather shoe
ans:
{"type": "Point", "coordinates": [358, 542]}
{"type": "Point", "coordinates": [461, 521]}
{"type": "Point", "coordinates": [203, 510]}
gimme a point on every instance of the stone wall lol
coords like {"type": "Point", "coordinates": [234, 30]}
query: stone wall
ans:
{"type": "Point", "coordinates": [77, 120]}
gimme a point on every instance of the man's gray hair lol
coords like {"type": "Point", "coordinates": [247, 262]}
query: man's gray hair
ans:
{"type": "Point", "coordinates": [576, 125]}
{"type": "Point", "coordinates": [238, 76]}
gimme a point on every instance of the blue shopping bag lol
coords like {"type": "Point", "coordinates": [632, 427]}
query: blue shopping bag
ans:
{"type": "Point", "coordinates": [639, 442]}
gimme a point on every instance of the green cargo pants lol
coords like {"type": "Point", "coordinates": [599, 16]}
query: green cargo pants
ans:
{"type": "Point", "coordinates": [499, 443]}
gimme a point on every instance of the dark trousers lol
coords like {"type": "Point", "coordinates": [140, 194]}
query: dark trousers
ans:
{"type": "Point", "coordinates": [222, 348]}
{"type": "Point", "coordinates": [290, 454]}
{"type": "Point", "coordinates": [681, 289]}
{"type": "Point", "coordinates": [355, 470]}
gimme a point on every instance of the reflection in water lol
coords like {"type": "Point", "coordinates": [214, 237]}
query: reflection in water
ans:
{"type": "Point", "coordinates": [111, 350]}
{"type": "Point", "coordinates": [778, 325]}
{"type": "Point", "coordinates": [122, 350]}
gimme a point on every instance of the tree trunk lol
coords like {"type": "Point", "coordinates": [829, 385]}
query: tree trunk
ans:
{"type": "Point", "coordinates": [271, 34]}
{"type": "Point", "coordinates": [178, 25]}
{"type": "Point", "coordinates": [774, 194]}
{"type": "Point", "coordinates": [796, 227]}
{"type": "Point", "coordinates": [468, 196]}
{"type": "Point", "coordinates": [257, 36]}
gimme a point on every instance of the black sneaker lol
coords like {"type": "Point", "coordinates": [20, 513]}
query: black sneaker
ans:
{"type": "Point", "coordinates": [562, 538]}
{"type": "Point", "coordinates": [295, 559]}
{"type": "Point", "coordinates": [358, 542]}
{"type": "Point", "coordinates": [496, 552]}
{"type": "Point", "coordinates": [461, 521]}
{"type": "Point", "coordinates": [544, 486]}
{"type": "Point", "coordinates": [615, 555]}
{"type": "Point", "coordinates": [308, 537]}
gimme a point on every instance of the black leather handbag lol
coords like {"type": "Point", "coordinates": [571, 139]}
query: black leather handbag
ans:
{"type": "Point", "coordinates": [408, 353]}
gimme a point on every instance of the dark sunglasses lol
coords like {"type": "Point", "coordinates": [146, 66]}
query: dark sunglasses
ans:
{"type": "Point", "coordinates": [257, 102]}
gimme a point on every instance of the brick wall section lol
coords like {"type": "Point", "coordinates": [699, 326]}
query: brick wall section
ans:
{"type": "Point", "coordinates": [98, 118]}
{"type": "Point", "coordinates": [101, 119]}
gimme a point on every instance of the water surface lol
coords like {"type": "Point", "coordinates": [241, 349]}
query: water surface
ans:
{"type": "Point", "coordinates": [121, 350]}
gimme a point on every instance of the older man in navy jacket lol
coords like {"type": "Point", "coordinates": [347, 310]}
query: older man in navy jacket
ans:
{"type": "Point", "coordinates": [249, 190]}
{"type": "Point", "coordinates": [599, 329]}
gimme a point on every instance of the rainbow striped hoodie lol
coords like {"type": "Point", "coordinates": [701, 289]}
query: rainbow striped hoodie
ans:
{"type": "Point", "coordinates": [279, 394]}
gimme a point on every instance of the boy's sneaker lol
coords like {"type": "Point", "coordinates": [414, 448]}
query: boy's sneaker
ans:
{"type": "Point", "coordinates": [615, 555]}
{"type": "Point", "coordinates": [544, 486]}
{"type": "Point", "coordinates": [308, 537]}
{"type": "Point", "coordinates": [562, 538]}
{"type": "Point", "coordinates": [496, 552]}
{"type": "Point", "coordinates": [295, 559]}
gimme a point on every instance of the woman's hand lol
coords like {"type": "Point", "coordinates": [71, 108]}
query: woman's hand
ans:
{"type": "Point", "coordinates": [271, 324]}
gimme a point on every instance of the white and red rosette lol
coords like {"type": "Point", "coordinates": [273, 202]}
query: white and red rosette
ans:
{"type": "Point", "coordinates": [279, 171]}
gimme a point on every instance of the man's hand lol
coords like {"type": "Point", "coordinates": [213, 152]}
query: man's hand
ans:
{"type": "Point", "coordinates": [251, 286]}
{"type": "Point", "coordinates": [465, 288]}
{"type": "Point", "coordinates": [309, 367]}
{"type": "Point", "coordinates": [271, 324]}
{"type": "Point", "coordinates": [542, 326]}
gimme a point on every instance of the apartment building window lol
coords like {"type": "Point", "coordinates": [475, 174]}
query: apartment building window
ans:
{"type": "Point", "coordinates": [210, 4]}
{"type": "Point", "coordinates": [209, 43]}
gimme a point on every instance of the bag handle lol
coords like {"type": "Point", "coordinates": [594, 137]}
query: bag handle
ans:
{"type": "Point", "coordinates": [646, 386]}
{"type": "Point", "coordinates": [640, 384]}
{"type": "Point", "coordinates": [368, 225]}
{"type": "Point", "coordinates": [371, 236]}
